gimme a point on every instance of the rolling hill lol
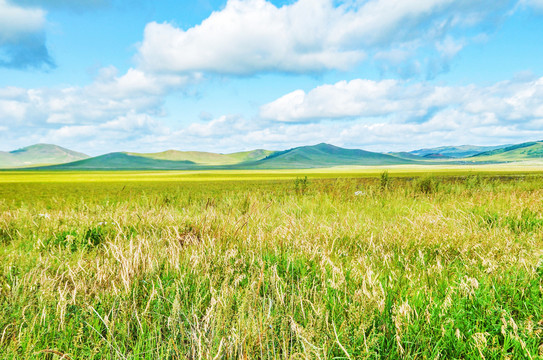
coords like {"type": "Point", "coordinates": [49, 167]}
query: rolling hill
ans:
{"type": "Point", "coordinates": [321, 155]}
{"type": "Point", "coordinates": [315, 156]}
{"type": "Point", "coordinates": [528, 151]}
{"type": "Point", "coordinates": [324, 155]}
{"type": "Point", "coordinates": [207, 158]}
{"type": "Point", "coordinates": [461, 151]}
{"type": "Point", "coordinates": [39, 154]}
{"type": "Point", "coordinates": [123, 161]}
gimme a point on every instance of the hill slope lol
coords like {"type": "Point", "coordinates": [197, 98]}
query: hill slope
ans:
{"type": "Point", "coordinates": [123, 161]}
{"type": "Point", "coordinates": [456, 151]}
{"type": "Point", "coordinates": [324, 155]}
{"type": "Point", "coordinates": [520, 152]}
{"type": "Point", "coordinates": [39, 154]}
{"type": "Point", "coordinates": [207, 158]}
{"type": "Point", "coordinates": [321, 155]}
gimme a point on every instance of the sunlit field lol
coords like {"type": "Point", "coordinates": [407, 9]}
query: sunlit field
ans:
{"type": "Point", "coordinates": [353, 263]}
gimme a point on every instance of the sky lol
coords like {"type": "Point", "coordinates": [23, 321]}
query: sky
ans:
{"type": "Point", "coordinates": [99, 76]}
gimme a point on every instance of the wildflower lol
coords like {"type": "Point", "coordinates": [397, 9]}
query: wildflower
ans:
{"type": "Point", "coordinates": [47, 216]}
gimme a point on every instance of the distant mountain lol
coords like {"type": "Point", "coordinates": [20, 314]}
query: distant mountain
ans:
{"type": "Point", "coordinates": [207, 158]}
{"type": "Point", "coordinates": [124, 161]}
{"type": "Point", "coordinates": [521, 152]}
{"type": "Point", "coordinates": [324, 155]}
{"type": "Point", "coordinates": [321, 155]}
{"type": "Point", "coordinates": [406, 155]}
{"type": "Point", "coordinates": [303, 157]}
{"type": "Point", "coordinates": [436, 156]}
{"type": "Point", "coordinates": [456, 151]}
{"type": "Point", "coordinates": [39, 154]}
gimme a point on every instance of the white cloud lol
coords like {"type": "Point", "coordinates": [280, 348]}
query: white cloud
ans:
{"type": "Point", "coordinates": [124, 133]}
{"type": "Point", "coordinates": [22, 39]}
{"type": "Point", "coordinates": [17, 22]}
{"type": "Point", "coordinates": [451, 126]}
{"type": "Point", "coordinates": [251, 36]}
{"type": "Point", "coordinates": [356, 98]}
{"type": "Point", "coordinates": [247, 37]}
{"type": "Point", "coordinates": [404, 101]}
{"type": "Point", "coordinates": [110, 96]}
{"type": "Point", "coordinates": [110, 113]}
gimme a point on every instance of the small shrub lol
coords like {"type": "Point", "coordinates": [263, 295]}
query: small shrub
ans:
{"type": "Point", "coordinates": [427, 185]}
{"type": "Point", "coordinates": [7, 235]}
{"type": "Point", "coordinates": [245, 205]}
{"type": "Point", "coordinates": [300, 185]}
{"type": "Point", "coordinates": [487, 219]}
{"type": "Point", "coordinates": [73, 240]}
{"type": "Point", "coordinates": [473, 181]}
{"type": "Point", "coordinates": [94, 237]}
{"type": "Point", "coordinates": [385, 180]}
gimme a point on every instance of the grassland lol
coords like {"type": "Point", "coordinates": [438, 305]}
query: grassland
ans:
{"type": "Point", "coordinates": [266, 264]}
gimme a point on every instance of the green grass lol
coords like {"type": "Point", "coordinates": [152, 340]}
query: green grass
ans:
{"type": "Point", "coordinates": [346, 263]}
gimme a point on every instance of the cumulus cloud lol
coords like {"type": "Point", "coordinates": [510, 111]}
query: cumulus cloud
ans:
{"type": "Point", "coordinates": [251, 36]}
{"type": "Point", "coordinates": [123, 128]}
{"type": "Point", "coordinates": [401, 100]}
{"type": "Point", "coordinates": [108, 97]}
{"type": "Point", "coordinates": [22, 38]}
{"type": "Point", "coordinates": [450, 126]}
{"type": "Point", "coordinates": [123, 113]}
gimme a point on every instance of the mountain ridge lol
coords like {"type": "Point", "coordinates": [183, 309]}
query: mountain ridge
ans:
{"type": "Point", "coordinates": [308, 156]}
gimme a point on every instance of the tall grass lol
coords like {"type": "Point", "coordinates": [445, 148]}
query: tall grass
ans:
{"type": "Point", "coordinates": [345, 268]}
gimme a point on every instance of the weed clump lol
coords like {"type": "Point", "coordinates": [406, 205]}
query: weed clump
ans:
{"type": "Point", "coordinates": [7, 234]}
{"type": "Point", "coordinates": [75, 240]}
{"type": "Point", "coordinates": [384, 181]}
{"type": "Point", "coordinates": [301, 185]}
{"type": "Point", "coordinates": [473, 181]}
{"type": "Point", "coordinates": [527, 222]}
{"type": "Point", "coordinates": [426, 185]}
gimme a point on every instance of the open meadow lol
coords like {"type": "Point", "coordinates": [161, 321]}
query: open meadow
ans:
{"type": "Point", "coordinates": [353, 263]}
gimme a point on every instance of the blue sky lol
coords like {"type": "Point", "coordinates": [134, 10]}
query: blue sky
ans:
{"type": "Point", "coordinates": [384, 75]}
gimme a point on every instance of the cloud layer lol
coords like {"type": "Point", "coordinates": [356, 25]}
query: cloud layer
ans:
{"type": "Point", "coordinates": [251, 37]}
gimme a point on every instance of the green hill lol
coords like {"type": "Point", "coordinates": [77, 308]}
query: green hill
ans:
{"type": "Point", "coordinates": [321, 155]}
{"type": "Point", "coordinates": [39, 154]}
{"type": "Point", "coordinates": [324, 155]}
{"type": "Point", "coordinates": [303, 157]}
{"type": "Point", "coordinates": [123, 161]}
{"type": "Point", "coordinates": [528, 151]}
{"type": "Point", "coordinates": [207, 158]}
{"type": "Point", "coordinates": [461, 151]}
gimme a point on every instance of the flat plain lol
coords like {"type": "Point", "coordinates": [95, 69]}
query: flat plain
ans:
{"type": "Point", "coordinates": [416, 262]}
